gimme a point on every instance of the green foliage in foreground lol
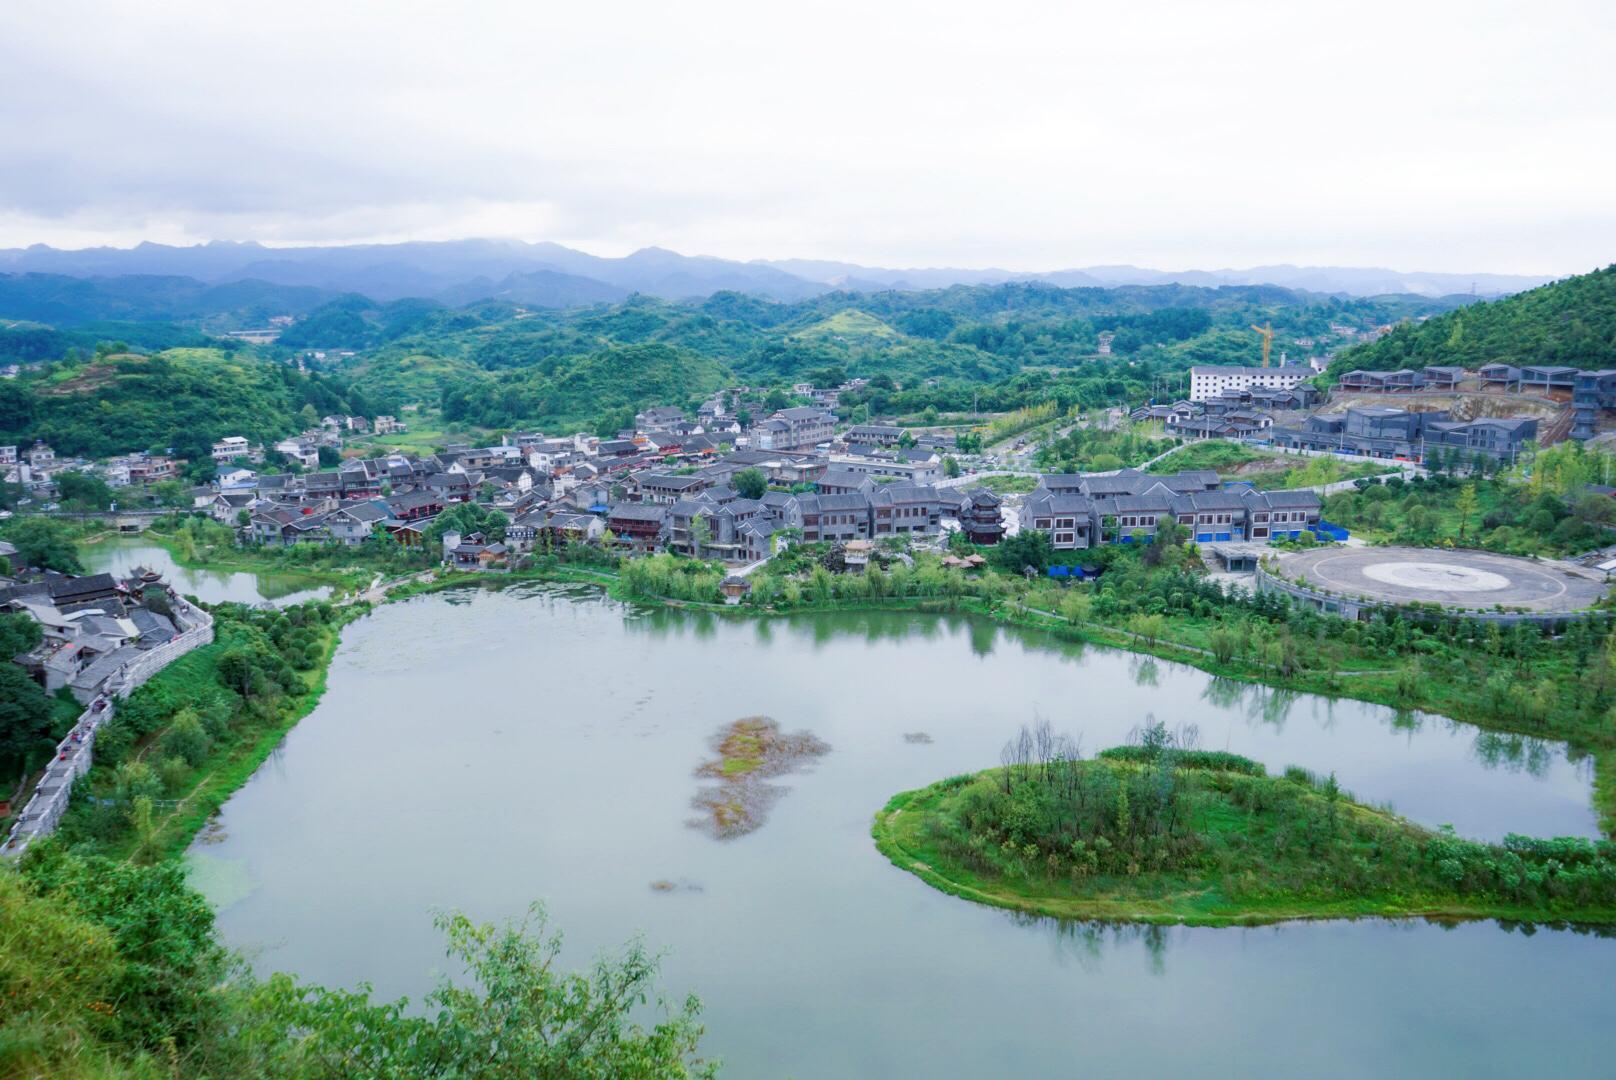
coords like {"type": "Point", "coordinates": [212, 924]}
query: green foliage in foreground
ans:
{"type": "Point", "coordinates": [1160, 838]}
{"type": "Point", "coordinates": [114, 970]}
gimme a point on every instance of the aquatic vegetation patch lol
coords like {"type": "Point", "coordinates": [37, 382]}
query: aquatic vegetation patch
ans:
{"type": "Point", "coordinates": [749, 751]}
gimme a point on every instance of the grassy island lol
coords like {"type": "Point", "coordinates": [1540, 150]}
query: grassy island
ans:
{"type": "Point", "coordinates": [1155, 833]}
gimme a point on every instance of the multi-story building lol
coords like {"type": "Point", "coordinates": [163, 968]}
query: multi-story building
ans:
{"type": "Point", "coordinates": [661, 417]}
{"type": "Point", "coordinates": [667, 487]}
{"type": "Point", "coordinates": [833, 517]}
{"type": "Point", "coordinates": [152, 468]}
{"type": "Point", "coordinates": [1083, 512]}
{"type": "Point", "coordinates": [980, 516]}
{"type": "Point", "coordinates": [905, 510]}
{"type": "Point", "coordinates": [1594, 392]}
{"type": "Point", "coordinates": [231, 448]}
{"type": "Point", "coordinates": [638, 527]}
{"type": "Point", "coordinates": [1404, 381]}
{"type": "Point", "coordinates": [873, 435]}
{"type": "Point", "coordinates": [913, 465]}
{"type": "Point", "coordinates": [1397, 434]}
{"type": "Point", "coordinates": [1208, 380]}
{"type": "Point", "coordinates": [1547, 378]}
{"type": "Point", "coordinates": [800, 428]}
{"type": "Point", "coordinates": [304, 451]}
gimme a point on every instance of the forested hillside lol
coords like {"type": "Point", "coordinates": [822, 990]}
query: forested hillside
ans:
{"type": "Point", "coordinates": [185, 398]}
{"type": "Point", "coordinates": [1571, 322]}
{"type": "Point", "coordinates": [497, 364]}
{"type": "Point", "coordinates": [72, 301]}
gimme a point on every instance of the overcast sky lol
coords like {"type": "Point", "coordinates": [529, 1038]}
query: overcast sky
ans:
{"type": "Point", "coordinates": [1470, 136]}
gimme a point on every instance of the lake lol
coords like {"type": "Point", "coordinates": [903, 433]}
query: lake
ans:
{"type": "Point", "coordinates": [210, 586]}
{"type": "Point", "coordinates": [480, 749]}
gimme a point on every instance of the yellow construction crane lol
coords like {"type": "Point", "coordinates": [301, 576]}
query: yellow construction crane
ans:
{"type": "Point", "coordinates": [1267, 332]}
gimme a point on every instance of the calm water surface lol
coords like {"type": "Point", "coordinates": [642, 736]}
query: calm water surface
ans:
{"type": "Point", "coordinates": [209, 586]}
{"type": "Point", "coordinates": [478, 750]}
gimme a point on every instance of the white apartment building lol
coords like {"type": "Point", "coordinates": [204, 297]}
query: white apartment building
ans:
{"type": "Point", "coordinates": [1210, 381]}
{"type": "Point", "coordinates": [231, 448]}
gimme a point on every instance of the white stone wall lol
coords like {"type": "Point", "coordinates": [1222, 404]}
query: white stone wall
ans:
{"type": "Point", "coordinates": [75, 753]}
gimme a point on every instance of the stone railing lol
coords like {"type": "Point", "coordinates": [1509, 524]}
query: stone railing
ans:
{"type": "Point", "coordinates": [75, 753]}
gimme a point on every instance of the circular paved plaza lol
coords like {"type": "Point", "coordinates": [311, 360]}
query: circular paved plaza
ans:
{"type": "Point", "coordinates": [1461, 579]}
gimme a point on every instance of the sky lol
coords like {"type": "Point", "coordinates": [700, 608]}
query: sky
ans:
{"type": "Point", "coordinates": [1462, 137]}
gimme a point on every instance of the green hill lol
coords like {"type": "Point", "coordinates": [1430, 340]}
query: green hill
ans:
{"type": "Point", "coordinates": [1571, 322]}
{"type": "Point", "coordinates": [603, 387]}
{"type": "Point", "coordinates": [184, 398]}
{"type": "Point", "coordinates": [851, 327]}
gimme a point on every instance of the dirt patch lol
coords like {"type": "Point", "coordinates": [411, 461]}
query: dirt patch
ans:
{"type": "Point", "coordinates": [96, 376]}
{"type": "Point", "coordinates": [750, 750]}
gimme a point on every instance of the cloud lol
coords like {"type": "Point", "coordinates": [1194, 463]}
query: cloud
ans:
{"type": "Point", "coordinates": [1470, 136]}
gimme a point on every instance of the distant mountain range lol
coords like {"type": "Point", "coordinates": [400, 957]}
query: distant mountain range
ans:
{"type": "Point", "coordinates": [459, 272]}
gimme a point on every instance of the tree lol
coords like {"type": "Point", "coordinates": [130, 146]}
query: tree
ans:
{"type": "Point", "coordinates": [83, 492]}
{"type": "Point", "coordinates": [465, 519]}
{"type": "Point", "coordinates": [1148, 627]}
{"type": "Point", "coordinates": [701, 535]}
{"type": "Point", "coordinates": [171, 493]}
{"type": "Point", "coordinates": [25, 717]}
{"type": "Point", "coordinates": [1027, 548]}
{"type": "Point", "coordinates": [45, 545]}
{"type": "Point", "coordinates": [750, 483]}
{"type": "Point", "coordinates": [185, 739]}
{"type": "Point", "coordinates": [170, 961]}
{"type": "Point", "coordinates": [516, 1014]}
{"type": "Point", "coordinates": [249, 671]}
{"type": "Point", "coordinates": [951, 467]}
{"type": "Point", "coordinates": [1467, 508]}
{"type": "Point", "coordinates": [775, 400]}
{"type": "Point", "coordinates": [18, 634]}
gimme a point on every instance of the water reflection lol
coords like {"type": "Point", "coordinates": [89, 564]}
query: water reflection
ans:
{"type": "Point", "coordinates": [1514, 752]}
{"type": "Point", "coordinates": [210, 586]}
{"type": "Point", "coordinates": [1145, 671]}
{"type": "Point", "coordinates": [1087, 942]}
